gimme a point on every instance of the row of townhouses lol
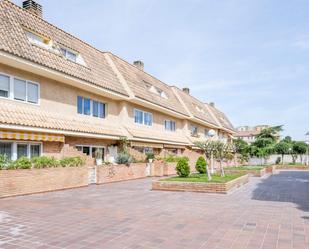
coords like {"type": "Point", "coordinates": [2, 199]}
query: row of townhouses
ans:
{"type": "Point", "coordinates": [60, 96]}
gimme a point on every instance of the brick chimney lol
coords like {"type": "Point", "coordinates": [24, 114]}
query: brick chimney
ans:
{"type": "Point", "coordinates": [139, 65]}
{"type": "Point", "coordinates": [212, 104]}
{"type": "Point", "coordinates": [186, 90]}
{"type": "Point", "coordinates": [33, 7]}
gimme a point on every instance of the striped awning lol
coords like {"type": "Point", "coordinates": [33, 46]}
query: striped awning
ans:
{"type": "Point", "coordinates": [17, 135]}
{"type": "Point", "coordinates": [145, 144]}
{"type": "Point", "coordinates": [171, 146]}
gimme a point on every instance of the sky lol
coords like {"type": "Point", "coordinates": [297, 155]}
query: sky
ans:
{"type": "Point", "coordinates": [249, 57]}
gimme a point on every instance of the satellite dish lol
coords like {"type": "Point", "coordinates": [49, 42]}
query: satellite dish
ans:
{"type": "Point", "coordinates": [211, 133]}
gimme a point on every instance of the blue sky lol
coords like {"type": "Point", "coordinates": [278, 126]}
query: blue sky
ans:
{"type": "Point", "coordinates": [249, 57]}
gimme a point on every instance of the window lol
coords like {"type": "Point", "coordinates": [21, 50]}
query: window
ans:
{"type": "Point", "coordinates": [70, 55]}
{"type": "Point", "coordinates": [138, 116]}
{"type": "Point", "coordinates": [22, 150]}
{"type": "Point", "coordinates": [170, 125]}
{"type": "Point", "coordinates": [91, 150]}
{"type": "Point", "coordinates": [15, 150]}
{"type": "Point", "coordinates": [20, 89]}
{"type": "Point", "coordinates": [156, 91]}
{"type": "Point", "coordinates": [4, 86]}
{"type": "Point", "coordinates": [141, 117]}
{"type": "Point", "coordinates": [194, 131]}
{"type": "Point", "coordinates": [87, 106]}
{"type": "Point", "coordinates": [6, 149]}
{"type": "Point", "coordinates": [33, 93]}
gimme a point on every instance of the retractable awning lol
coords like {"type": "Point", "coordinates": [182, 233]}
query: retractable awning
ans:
{"type": "Point", "coordinates": [29, 136]}
{"type": "Point", "coordinates": [145, 144]}
{"type": "Point", "coordinates": [171, 146]}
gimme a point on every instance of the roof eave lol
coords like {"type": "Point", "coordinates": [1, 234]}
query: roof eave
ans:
{"type": "Point", "coordinates": [26, 65]}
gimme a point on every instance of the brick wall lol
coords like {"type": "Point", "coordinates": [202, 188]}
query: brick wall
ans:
{"type": "Point", "coordinates": [169, 169]}
{"type": "Point", "coordinates": [257, 173]}
{"type": "Point", "coordinates": [222, 188]}
{"type": "Point", "coordinates": [116, 173]}
{"type": "Point", "coordinates": [29, 181]}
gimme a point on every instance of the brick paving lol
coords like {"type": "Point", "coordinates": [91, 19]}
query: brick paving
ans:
{"type": "Point", "coordinates": [267, 213]}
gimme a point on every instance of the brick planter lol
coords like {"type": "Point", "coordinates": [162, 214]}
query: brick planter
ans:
{"type": "Point", "coordinates": [270, 169]}
{"type": "Point", "coordinates": [221, 188]}
{"type": "Point", "coordinates": [292, 167]}
{"type": "Point", "coordinates": [257, 173]}
{"type": "Point", "coordinates": [116, 173]}
{"type": "Point", "coordinates": [30, 181]}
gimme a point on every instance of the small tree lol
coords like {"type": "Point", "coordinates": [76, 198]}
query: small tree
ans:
{"type": "Point", "coordinates": [200, 165]}
{"type": "Point", "coordinates": [183, 168]}
{"type": "Point", "coordinates": [222, 151]}
{"type": "Point", "coordinates": [207, 148]}
{"type": "Point", "coordinates": [282, 148]}
{"type": "Point", "coordinates": [299, 148]}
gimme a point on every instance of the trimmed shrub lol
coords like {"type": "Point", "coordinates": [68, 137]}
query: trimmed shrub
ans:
{"type": "Point", "coordinates": [44, 162]}
{"type": "Point", "coordinates": [72, 162]}
{"type": "Point", "coordinates": [124, 158]}
{"type": "Point", "coordinates": [21, 163]}
{"type": "Point", "coordinates": [173, 159]}
{"type": "Point", "coordinates": [182, 168]}
{"type": "Point", "coordinates": [200, 165]}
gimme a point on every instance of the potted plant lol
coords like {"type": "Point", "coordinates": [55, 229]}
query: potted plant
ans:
{"type": "Point", "coordinates": [98, 157]}
{"type": "Point", "coordinates": [150, 157]}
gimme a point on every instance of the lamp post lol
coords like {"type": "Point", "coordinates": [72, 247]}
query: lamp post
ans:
{"type": "Point", "coordinates": [211, 133]}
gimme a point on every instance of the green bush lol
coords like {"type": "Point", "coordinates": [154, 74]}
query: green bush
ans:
{"type": "Point", "coordinates": [4, 162]}
{"type": "Point", "coordinates": [150, 155]}
{"type": "Point", "coordinates": [21, 163]}
{"type": "Point", "coordinates": [72, 162]}
{"type": "Point", "coordinates": [124, 158]}
{"type": "Point", "coordinates": [182, 168]}
{"type": "Point", "coordinates": [44, 162]}
{"type": "Point", "coordinates": [200, 165]}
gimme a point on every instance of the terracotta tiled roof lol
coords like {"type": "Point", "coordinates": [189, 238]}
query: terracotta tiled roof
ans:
{"type": "Point", "coordinates": [33, 116]}
{"type": "Point", "coordinates": [13, 39]}
{"type": "Point", "coordinates": [247, 133]}
{"type": "Point", "coordinates": [221, 117]}
{"type": "Point", "coordinates": [139, 82]}
{"type": "Point", "coordinates": [195, 107]}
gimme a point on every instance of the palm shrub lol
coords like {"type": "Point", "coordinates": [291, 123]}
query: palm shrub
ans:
{"type": "Point", "coordinates": [21, 163]}
{"type": "Point", "coordinates": [200, 165]}
{"type": "Point", "coordinates": [44, 162]}
{"type": "Point", "coordinates": [182, 168]}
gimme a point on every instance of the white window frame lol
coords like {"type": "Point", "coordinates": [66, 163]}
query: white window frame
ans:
{"type": "Point", "coordinates": [143, 120]}
{"type": "Point", "coordinates": [168, 120]}
{"type": "Point", "coordinates": [194, 134]}
{"type": "Point", "coordinates": [11, 92]}
{"type": "Point", "coordinates": [14, 147]}
{"type": "Point", "coordinates": [91, 107]}
{"type": "Point", "coordinates": [93, 146]}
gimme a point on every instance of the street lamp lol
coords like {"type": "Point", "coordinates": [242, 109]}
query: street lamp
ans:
{"type": "Point", "coordinates": [211, 134]}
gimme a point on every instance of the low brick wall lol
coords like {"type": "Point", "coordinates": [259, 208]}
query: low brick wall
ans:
{"type": "Point", "coordinates": [169, 169]}
{"type": "Point", "coordinates": [30, 181]}
{"type": "Point", "coordinates": [271, 169]}
{"type": "Point", "coordinates": [292, 167]}
{"type": "Point", "coordinates": [116, 173]}
{"type": "Point", "coordinates": [222, 188]}
{"type": "Point", "coordinates": [157, 168]}
{"type": "Point", "coordinates": [258, 173]}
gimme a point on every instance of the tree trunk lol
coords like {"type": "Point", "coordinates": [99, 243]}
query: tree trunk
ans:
{"type": "Point", "coordinates": [208, 172]}
{"type": "Point", "coordinates": [222, 169]}
{"type": "Point", "coordinates": [282, 157]}
{"type": "Point", "coordinates": [212, 164]}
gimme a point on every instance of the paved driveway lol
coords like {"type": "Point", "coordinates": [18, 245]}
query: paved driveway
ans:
{"type": "Point", "coordinates": [267, 213]}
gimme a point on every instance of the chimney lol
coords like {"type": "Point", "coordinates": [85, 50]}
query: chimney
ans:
{"type": "Point", "coordinates": [33, 7]}
{"type": "Point", "coordinates": [139, 65]}
{"type": "Point", "coordinates": [212, 104]}
{"type": "Point", "coordinates": [186, 90]}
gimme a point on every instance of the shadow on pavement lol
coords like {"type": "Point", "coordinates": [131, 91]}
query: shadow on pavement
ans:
{"type": "Point", "coordinates": [285, 186]}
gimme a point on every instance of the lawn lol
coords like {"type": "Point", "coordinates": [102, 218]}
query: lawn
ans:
{"type": "Point", "coordinates": [203, 178]}
{"type": "Point", "coordinates": [245, 168]}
